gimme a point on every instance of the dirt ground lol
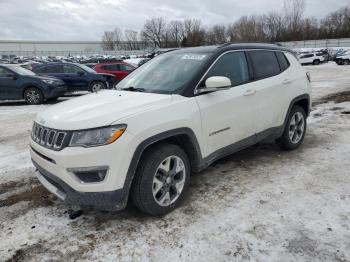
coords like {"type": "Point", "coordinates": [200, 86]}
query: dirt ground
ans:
{"type": "Point", "coordinates": [261, 204]}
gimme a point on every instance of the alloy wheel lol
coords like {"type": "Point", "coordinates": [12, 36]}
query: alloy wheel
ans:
{"type": "Point", "coordinates": [169, 180]}
{"type": "Point", "coordinates": [33, 96]}
{"type": "Point", "coordinates": [296, 127]}
{"type": "Point", "coordinates": [96, 87]}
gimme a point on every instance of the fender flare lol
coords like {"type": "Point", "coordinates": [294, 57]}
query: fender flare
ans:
{"type": "Point", "coordinates": [292, 103]}
{"type": "Point", "coordinates": [196, 156]}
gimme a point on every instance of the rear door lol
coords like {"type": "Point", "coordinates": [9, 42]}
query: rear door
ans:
{"type": "Point", "coordinates": [124, 70]}
{"type": "Point", "coordinates": [270, 85]}
{"type": "Point", "coordinates": [75, 77]}
{"type": "Point", "coordinates": [9, 87]}
{"type": "Point", "coordinates": [229, 116]}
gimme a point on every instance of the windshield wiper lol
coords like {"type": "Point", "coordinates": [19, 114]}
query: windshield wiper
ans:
{"type": "Point", "coordinates": [134, 89]}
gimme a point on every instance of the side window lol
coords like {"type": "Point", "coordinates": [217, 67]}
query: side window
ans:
{"type": "Point", "coordinates": [109, 67]}
{"type": "Point", "coordinates": [72, 69]}
{"type": "Point", "coordinates": [232, 65]}
{"type": "Point", "coordinates": [125, 67]}
{"type": "Point", "coordinates": [282, 59]}
{"type": "Point", "coordinates": [265, 63]}
{"type": "Point", "coordinates": [40, 70]}
{"type": "Point", "coordinates": [4, 72]}
{"type": "Point", "coordinates": [307, 56]}
{"type": "Point", "coordinates": [54, 69]}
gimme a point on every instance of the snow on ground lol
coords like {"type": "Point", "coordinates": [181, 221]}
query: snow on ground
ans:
{"type": "Point", "coordinates": [261, 204]}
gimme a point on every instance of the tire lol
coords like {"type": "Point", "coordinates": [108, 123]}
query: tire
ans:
{"type": "Point", "coordinates": [154, 190]}
{"type": "Point", "coordinates": [316, 62]}
{"type": "Point", "coordinates": [97, 86]}
{"type": "Point", "coordinates": [346, 62]}
{"type": "Point", "coordinates": [293, 134]}
{"type": "Point", "coordinates": [33, 96]}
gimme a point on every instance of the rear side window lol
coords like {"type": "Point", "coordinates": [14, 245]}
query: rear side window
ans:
{"type": "Point", "coordinates": [282, 59]}
{"type": "Point", "coordinates": [232, 65]}
{"type": "Point", "coordinates": [50, 69]}
{"type": "Point", "coordinates": [265, 64]}
{"type": "Point", "coordinates": [110, 67]}
{"type": "Point", "coordinates": [307, 56]}
{"type": "Point", "coordinates": [124, 67]}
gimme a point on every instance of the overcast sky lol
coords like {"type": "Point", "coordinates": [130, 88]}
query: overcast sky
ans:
{"type": "Point", "coordinates": [87, 19]}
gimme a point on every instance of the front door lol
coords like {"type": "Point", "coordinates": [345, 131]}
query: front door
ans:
{"type": "Point", "coordinates": [229, 116]}
{"type": "Point", "coordinates": [9, 88]}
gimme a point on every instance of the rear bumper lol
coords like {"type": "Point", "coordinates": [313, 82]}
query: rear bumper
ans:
{"type": "Point", "coordinates": [107, 201]}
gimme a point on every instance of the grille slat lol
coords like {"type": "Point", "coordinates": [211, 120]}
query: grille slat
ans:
{"type": "Point", "coordinates": [49, 138]}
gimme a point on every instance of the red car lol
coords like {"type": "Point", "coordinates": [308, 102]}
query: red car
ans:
{"type": "Point", "coordinates": [118, 69]}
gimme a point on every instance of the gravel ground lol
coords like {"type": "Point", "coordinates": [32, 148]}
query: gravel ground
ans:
{"type": "Point", "coordinates": [261, 204]}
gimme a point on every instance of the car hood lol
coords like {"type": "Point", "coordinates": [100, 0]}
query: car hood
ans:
{"type": "Point", "coordinates": [99, 109]}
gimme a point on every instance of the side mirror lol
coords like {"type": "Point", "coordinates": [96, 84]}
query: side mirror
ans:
{"type": "Point", "coordinates": [215, 83]}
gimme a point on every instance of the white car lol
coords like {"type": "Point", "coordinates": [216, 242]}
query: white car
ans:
{"type": "Point", "coordinates": [311, 58]}
{"type": "Point", "coordinates": [175, 115]}
{"type": "Point", "coordinates": [343, 59]}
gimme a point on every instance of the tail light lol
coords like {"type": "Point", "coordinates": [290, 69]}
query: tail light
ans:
{"type": "Point", "coordinates": [308, 77]}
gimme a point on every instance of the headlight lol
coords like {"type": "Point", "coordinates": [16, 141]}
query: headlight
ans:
{"type": "Point", "coordinates": [49, 81]}
{"type": "Point", "coordinates": [97, 137]}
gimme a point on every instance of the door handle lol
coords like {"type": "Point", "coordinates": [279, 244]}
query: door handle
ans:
{"type": "Point", "coordinates": [249, 92]}
{"type": "Point", "coordinates": [286, 81]}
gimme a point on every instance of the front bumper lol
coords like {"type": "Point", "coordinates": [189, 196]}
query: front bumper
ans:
{"type": "Point", "coordinates": [57, 91]}
{"type": "Point", "coordinates": [107, 201]}
{"type": "Point", "coordinates": [54, 172]}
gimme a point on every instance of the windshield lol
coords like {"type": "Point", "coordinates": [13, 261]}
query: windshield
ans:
{"type": "Point", "coordinates": [87, 69]}
{"type": "Point", "coordinates": [165, 74]}
{"type": "Point", "coordinates": [21, 71]}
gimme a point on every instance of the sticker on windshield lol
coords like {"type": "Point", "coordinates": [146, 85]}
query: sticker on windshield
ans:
{"type": "Point", "coordinates": [193, 57]}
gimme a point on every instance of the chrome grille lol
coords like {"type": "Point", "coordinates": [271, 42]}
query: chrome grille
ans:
{"type": "Point", "coordinates": [49, 138]}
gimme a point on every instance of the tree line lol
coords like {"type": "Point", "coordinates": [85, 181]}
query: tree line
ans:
{"type": "Point", "coordinates": [289, 24]}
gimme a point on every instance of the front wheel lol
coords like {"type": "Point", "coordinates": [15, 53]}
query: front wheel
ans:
{"type": "Point", "coordinates": [33, 96]}
{"type": "Point", "coordinates": [316, 62]}
{"type": "Point", "coordinates": [295, 129]}
{"type": "Point", "coordinates": [96, 86]}
{"type": "Point", "coordinates": [161, 179]}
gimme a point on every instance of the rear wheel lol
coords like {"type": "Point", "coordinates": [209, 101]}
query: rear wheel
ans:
{"type": "Point", "coordinates": [346, 62]}
{"type": "Point", "coordinates": [295, 129]}
{"type": "Point", "coordinates": [96, 86]}
{"type": "Point", "coordinates": [33, 96]}
{"type": "Point", "coordinates": [316, 62]}
{"type": "Point", "coordinates": [161, 179]}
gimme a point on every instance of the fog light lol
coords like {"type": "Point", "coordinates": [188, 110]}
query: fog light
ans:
{"type": "Point", "coordinates": [90, 174]}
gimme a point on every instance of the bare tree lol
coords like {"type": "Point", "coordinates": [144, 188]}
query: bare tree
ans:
{"type": "Point", "coordinates": [293, 18]}
{"type": "Point", "coordinates": [154, 31]}
{"type": "Point", "coordinates": [175, 32]}
{"type": "Point", "coordinates": [216, 35]}
{"type": "Point", "coordinates": [336, 24]}
{"type": "Point", "coordinates": [107, 40]}
{"type": "Point", "coordinates": [193, 33]}
{"type": "Point", "coordinates": [132, 39]}
{"type": "Point", "coordinates": [117, 37]}
{"type": "Point", "coordinates": [247, 29]}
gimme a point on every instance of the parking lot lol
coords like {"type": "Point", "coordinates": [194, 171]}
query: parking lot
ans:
{"type": "Point", "coordinates": [261, 204]}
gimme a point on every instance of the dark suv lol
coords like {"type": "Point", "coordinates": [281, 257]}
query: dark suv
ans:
{"type": "Point", "coordinates": [77, 77]}
{"type": "Point", "coordinates": [17, 83]}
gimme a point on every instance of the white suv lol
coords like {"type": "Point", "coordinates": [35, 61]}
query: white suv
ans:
{"type": "Point", "coordinates": [311, 58]}
{"type": "Point", "coordinates": [175, 115]}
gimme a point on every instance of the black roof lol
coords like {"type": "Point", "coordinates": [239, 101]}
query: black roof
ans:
{"type": "Point", "coordinates": [233, 46]}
